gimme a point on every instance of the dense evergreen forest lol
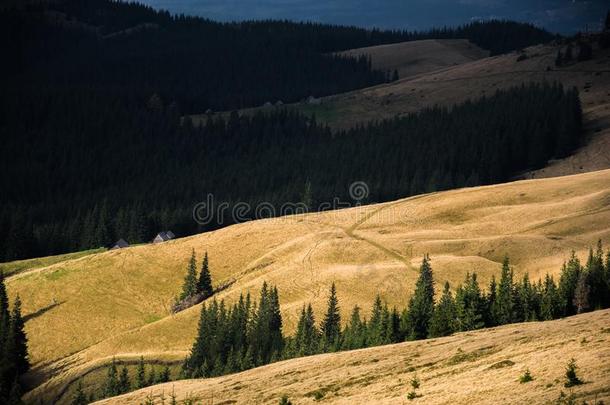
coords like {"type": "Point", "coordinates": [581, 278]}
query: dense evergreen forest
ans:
{"type": "Point", "coordinates": [118, 180]}
{"type": "Point", "coordinates": [249, 333]}
{"type": "Point", "coordinates": [93, 149]}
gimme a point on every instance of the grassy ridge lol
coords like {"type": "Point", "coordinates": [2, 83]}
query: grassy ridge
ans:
{"type": "Point", "coordinates": [110, 302]}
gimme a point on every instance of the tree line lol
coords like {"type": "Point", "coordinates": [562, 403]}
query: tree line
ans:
{"type": "Point", "coordinates": [14, 361]}
{"type": "Point", "coordinates": [248, 334]}
{"type": "Point", "coordinates": [149, 175]}
{"type": "Point", "coordinates": [245, 335]}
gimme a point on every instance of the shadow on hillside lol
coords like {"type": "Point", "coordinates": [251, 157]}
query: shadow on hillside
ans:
{"type": "Point", "coordinates": [42, 311]}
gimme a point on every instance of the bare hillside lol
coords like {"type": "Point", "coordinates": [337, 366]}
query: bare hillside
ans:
{"type": "Point", "coordinates": [82, 312]}
{"type": "Point", "coordinates": [481, 367]}
{"type": "Point", "coordinates": [416, 57]}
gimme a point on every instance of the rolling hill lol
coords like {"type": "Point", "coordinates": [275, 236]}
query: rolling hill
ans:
{"type": "Point", "coordinates": [416, 57]}
{"type": "Point", "coordinates": [433, 81]}
{"type": "Point", "coordinates": [481, 367]}
{"type": "Point", "coordinates": [83, 312]}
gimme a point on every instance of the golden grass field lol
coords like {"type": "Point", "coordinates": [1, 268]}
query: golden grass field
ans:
{"type": "Point", "coordinates": [83, 312]}
{"type": "Point", "coordinates": [416, 57]}
{"type": "Point", "coordinates": [481, 367]}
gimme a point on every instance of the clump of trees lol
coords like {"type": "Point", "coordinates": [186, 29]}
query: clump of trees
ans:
{"type": "Point", "coordinates": [120, 382]}
{"type": "Point", "coordinates": [14, 360]}
{"type": "Point", "coordinates": [237, 338]}
{"type": "Point", "coordinates": [244, 336]}
{"type": "Point", "coordinates": [195, 288]}
{"type": "Point", "coordinates": [249, 334]}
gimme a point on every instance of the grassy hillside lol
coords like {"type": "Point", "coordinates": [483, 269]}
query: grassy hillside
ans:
{"type": "Point", "coordinates": [82, 312]}
{"type": "Point", "coordinates": [470, 80]}
{"type": "Point", "coordinates": [413, 58]}
{"type": "Point", "coordinates": [21, 266]}
{"type": "Point", "coordinates": [481, 367]}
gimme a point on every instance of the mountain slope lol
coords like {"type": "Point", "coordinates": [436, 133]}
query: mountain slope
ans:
{"type": "Point", "coordinates": [415, 57]}
{"type": "Point", "coordinates": [83, 312]}
{"type": "Point", "coordinates": [481, 367]}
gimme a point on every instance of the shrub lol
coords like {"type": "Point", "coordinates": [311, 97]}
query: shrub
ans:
{"type": "Point", "coordinates": [571, 378]}
{"type": "Point", "coordinates": [412, 395]}
{"type": "Point", "coordinates": [415, 382]}
{"type": "Point", "coordinates": [285, 401]}
{"type": "Point", "coordinates": [526, 377]}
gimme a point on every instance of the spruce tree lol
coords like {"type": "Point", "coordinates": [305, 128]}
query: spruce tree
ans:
{"type": "Point", "coordinates": [470, 305]}
{"type": "Point", "coordinates": [550, 307]}
{"type": "Point", "coordinates": [5, 318]}
{"type": "Point", "coordinates": [599, 295]}
{"type": "Point", "coordinates": [421, 304]}
{"type": "Point", "coordinates": [307, 336]}
{"type": "Point", "coordinates": [354, 335]}
{"type": "Point", "coordinates": [189, 288]}
{"type": "Point", "coordinates": [124, 383]}
{"type": "Point", "coordinates": [111, 386]}
{"type": "Point", "coordinates": [570, 274]}
{"type": "Point", "coordinates": [491, 307]}
{"type": "Point", "coordinates": [375, 326]}
{"type": "Point", "coordinates": [505, 297]}
{"type": "Point", "coordinates": [79, 397]}
{"type": "Point", "coordinates": [204, 285]}
{"type": "Point", "coordinates": [141, 374]}
{"type": "Point", "coordinates": [581, 294]}
{"type": "Point", "coordinates": [17, 344]}
{"type": "Point", "coordinates": [152, 376]}
{"type": "Point", "coordinates": [444, 316]}
{"type": "Point", "coordinates": [331, 324]}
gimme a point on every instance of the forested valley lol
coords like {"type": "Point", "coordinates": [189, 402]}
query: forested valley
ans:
{"type": "Point", "coordinates": [94, 91]}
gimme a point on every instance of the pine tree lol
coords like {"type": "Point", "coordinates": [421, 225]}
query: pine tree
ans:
{"type": "Point", "coordinates": [204, 286]}
{"type": "Point", "coordinates": [4, 315]}
{"type": "Point", "coordinates": [470, 305]}
{"type": "Point", "coordinates": [599, 295]}
{"type": "Point", "coordinates": [444, 317]}
{"type": "Point", "coordinates": [331, 324]}
{"type": "Point", "coordinates": [79, 397]}
{"type": "Point", "coordinates": [165, 375]}
{"type": "Point", "coordinates": [375, 326]}
{"type": "Point", "coordinates": [141, 374]}
{"type": "Point", "coordinates": [189, 288]}
{"type": "Point", "coordinates": [307, 336]}
{"type": "Point", "coordinates": [152, 376]}
{"type": "Point", "coordinates": [526, 298]}
{"type": "Point", "coordinates": [17, 344]}
{"type": "Point", "coordinates": [421, 304]}
{"type": "Point", "coordinates": [491, 307]}
{"type": "Point", "coordinates": [124, 383]}
{"type": "Point", "coordinates": [570, 274]}
{"type": "Point", "coordinates": [505, 301]}
{"type": "Point", "coordinates": [111, 386]}
{"type": "Point", "coordinates": [581, 294]}
{"type": "Point", "coordinates": [550, 303]}
{"type": "Point", "coordinates": [354, 335]}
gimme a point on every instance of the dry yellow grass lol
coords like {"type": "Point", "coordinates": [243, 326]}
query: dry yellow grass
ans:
{"type": "Point", "coordinates": [416, 57]}
{"type": "Point", "coordinates": [481, 367]}
{"type": "Point", "coordinates": [116, 303]}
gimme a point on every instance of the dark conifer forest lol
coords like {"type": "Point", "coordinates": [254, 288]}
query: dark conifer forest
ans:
{"type": "Point", "coordinates": [94, 148]}
{"type": "Point", "coordinates": [249, 333]}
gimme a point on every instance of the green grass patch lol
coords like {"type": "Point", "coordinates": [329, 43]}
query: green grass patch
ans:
{"type": "Point", "coordinates": [19, 266]}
